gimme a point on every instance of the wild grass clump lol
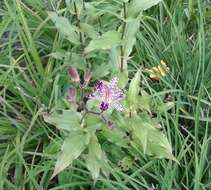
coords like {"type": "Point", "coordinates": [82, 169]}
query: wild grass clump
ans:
{"type": "Point", "coordinates": [148, 128]}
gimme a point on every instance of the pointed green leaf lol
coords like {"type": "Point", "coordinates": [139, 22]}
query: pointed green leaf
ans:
{"type": "Point", "coordinates": [132, 27]}
{"type": "Point", "coordinates": [60, 54]}
{"type": "Point", "coordinates": [65, 28]}
{"type": "Point", "coordinates": [72, 147]}
{"type": "Point", "coordinates": [52, 147]}
{"type": "Point", "coordinates": [164, 107]}
{"type": "Point", "coordinates": [138, 6]}
{"type": "Point", "coordinates": [123, 79]}
{"type": "Point", "coordinates": [66, 120]}
{"type": "Point", "coordinates": [144, 102]}
{"type": "Point", "coordinates": [115, 135]}
{"type": "Point", "coordinates": [89, 30]}
{"type": "Point", "coordinates": [134, 90]}
{"type": "Point", "coordinates": [71, 7]}
{"type": "Point", "coordinates": [115, 57]}
{"type": "Point", "coordinates": [151, 139]}
{"type": "Point", "coordinates": [101, 70]}
{"type": "Point", "coordinates": [94, 156]}
{"type": "Point", "coordinates": [104, 42]}
{"type": "Point", "coordinates": [77, 60]}
{"type": "Point", "coordinates": [104, 166]}
{"type": "Point", "coordinates": [92, 123]}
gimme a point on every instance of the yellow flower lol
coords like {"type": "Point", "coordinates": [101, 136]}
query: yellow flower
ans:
{"type": "Point", "coordinates": [161, 70]}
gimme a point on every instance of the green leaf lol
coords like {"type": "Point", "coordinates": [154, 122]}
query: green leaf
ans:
{"type": "Point", "coordinates": [92, 123]}
{"type": "Point", "coordinates": [60, 54]}
{"type": "Point", "coordinates": [123, 79]}
{"type": "Point", "coordinates": [89, 30]}
{"type": "Point", "coordinates": [77, 60]}
{"type": "Point", "coordinates": [138, 6]}
{"type": "Point", "coordinates": [105, 165]}
{"type": "Point", "coordinates": [94, 156]}
{"type": "Point", "coordinates": [128, 42]}
{"type": "Point", "coordinates": [115, 59]}
{"type": "Point", "coordinates": [65, 28]}
{"type": "Point", "coordinates": [144, 102]}
{"type": "Point", "coordinates": [104, 42]}
{"type": "Point", "coordinates": [115, 135]}
{"type": "Point", "coordinates": [134, 90]}
{"type": "Point", "coordinates": [71, 8]}
{"type": "Point", "coordinates": [101, 70]}
{"type": "Point", "coordinates": [66, 120]}
{"type": "Point", "coordinates": [132, 27]}
{"type": "Point", "coordinates": [52, 147]}
{"type": "Point", "coordinates": [72, 147]}
{"type": "Point", "coordinates": [164, 107]}
{"type": "Point", "coordinates": [151, 139]}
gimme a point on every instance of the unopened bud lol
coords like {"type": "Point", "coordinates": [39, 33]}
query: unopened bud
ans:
{"type": "Point", "coordinates": [87, 75]}
{"type": "Point", "coordinates": [73, 74]}
{"type": "Point", "coordinates": [71, 95]}
{"type": "Point", "coordinates": [110, 125]}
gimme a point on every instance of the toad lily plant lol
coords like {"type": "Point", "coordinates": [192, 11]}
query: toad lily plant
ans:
{"type": "Point", "coordinates": [104, 119]}
{"type": "Point", "coordinates": [106, 115]}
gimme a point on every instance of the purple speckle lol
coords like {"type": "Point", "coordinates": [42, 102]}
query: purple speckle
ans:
{"type": "Point", "coordinates": [104, 106]}
{"type": "Point", "coordinates": [99, 85]}
{"type": "Point", "coordinates": [120, 95]}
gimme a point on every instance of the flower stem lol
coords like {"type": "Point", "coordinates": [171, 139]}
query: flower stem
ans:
{"type": "Point", "coordinates": [83, 117]}
{"type": "Point", "coordinates": [78, 25]}
{"type": "Point", "coordinates": [104, 119]}
{"type": "Point", "coordinates": [123, 34]}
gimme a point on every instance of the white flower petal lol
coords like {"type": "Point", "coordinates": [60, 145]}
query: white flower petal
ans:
{"type": "Point", "coordinates": [113, 82]}
{"type": "Point", "coordinates": [118, 107]}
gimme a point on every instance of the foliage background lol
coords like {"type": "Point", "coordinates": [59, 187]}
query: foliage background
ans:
{"type": "Point", "coordinates": [32, 80]}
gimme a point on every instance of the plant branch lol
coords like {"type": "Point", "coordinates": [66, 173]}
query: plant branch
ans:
{"type": "Point", "coordinates": [78, 25]}
{"type": "Point", "coordinates": [123, 34]}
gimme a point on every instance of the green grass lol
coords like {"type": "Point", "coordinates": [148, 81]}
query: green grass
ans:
{"type": "Point", "coordinates": [31, 82]}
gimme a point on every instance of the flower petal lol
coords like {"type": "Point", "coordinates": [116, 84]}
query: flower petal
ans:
{"type": "Point", "coordinates": [118, 107]}
{"type": "Point", "coordinates": [113, 82]}
{"type": "Point", "coordinates": [99, 86]}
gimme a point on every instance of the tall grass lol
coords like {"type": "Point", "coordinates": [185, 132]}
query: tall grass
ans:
{"type": "Point", "coordinates": [31, 81]}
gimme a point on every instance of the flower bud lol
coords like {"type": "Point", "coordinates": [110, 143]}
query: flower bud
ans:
{"type": "Point", "coordinates": [110, 125]}
{"type": "Point", "coordinates": [71, 95]}
{"type": "Point", "coordinates": [87, 75]}
{"type": "Point", "coordinates": [73, 74]}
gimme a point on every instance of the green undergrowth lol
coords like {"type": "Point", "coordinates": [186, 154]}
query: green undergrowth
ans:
{"type": "Point", "coordinates": [33, 80]}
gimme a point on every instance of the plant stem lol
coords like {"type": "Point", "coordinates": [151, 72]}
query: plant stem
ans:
{"type": "Point", "coordinates": [122, 59]}
{"type": "Point", "coordinates": [87, 111]}
{"type": "Point", "coordinates": [78, 25]}
{"type": "Point", "coordinates": [84, 7]}
{"type": "Point", "coordinates": [123, 33]}
{"type": "Point", "coordinates": [83, 117]}
{"type": "Point", "coordinates": [104, 119]}
{"type": "Point", "coordinates": [125, 17]}
{"type": "Point", "coordinates": [95, 113]}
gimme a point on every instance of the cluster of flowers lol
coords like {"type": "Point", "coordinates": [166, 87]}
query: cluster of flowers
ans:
{"type": "Point", "coordinates": [75, 77]}
{"type": "Point", "coordinates": [107, 93]}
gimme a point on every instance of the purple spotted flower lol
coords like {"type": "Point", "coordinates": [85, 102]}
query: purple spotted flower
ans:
{"type": "Point", "coordinates": [108, 94]}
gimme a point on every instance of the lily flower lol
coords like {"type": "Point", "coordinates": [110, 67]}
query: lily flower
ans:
{"type": "Point", "coordinates": [108, 94]}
